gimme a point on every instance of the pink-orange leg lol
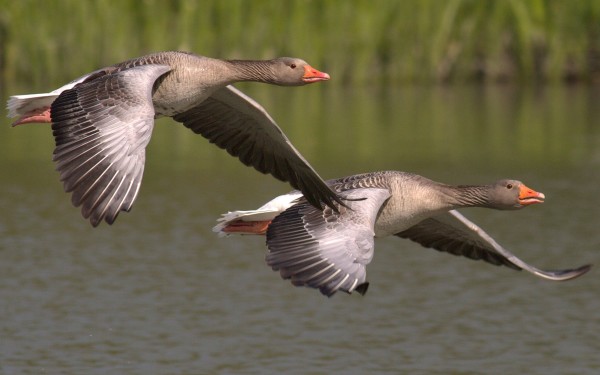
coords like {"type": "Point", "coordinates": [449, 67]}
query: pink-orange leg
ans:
{"type": "Point", "coordinates": [247, 227]}
{"type": "Point", "coordinates": [39, 115]}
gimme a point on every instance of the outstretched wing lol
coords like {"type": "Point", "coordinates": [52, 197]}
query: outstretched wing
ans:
{"type": "Point", "coordinates": [325, 249]}
{"type": "Point", "coordinates": [555, 275]}
{"type": "Point", "coordinates": [453, 233]}
{"type": "Point", "coordinates": [238, 124]}
{"type": "Point", "coordinates": [101, 128]}
{"type": "Point", "coordinates": [444, 233]}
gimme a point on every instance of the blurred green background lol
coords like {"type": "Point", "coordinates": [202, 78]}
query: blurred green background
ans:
{"type": "Point", "coordinates": [413, 82]}
{"type": "Point", "coordinates": [362, 42]}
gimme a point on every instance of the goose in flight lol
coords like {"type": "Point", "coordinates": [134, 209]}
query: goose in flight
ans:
{"type": "Point", "coordinates": [329, 250]}
{"type": "Point", "coordinates": [103, 121]}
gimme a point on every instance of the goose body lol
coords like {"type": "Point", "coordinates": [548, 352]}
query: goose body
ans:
{"type": "Point", "coordinates": [103, 120]}
{"type": "Point", "coordinates": [329, 250]}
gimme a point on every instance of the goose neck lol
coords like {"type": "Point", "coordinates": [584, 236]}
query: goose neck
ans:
{"type": "Point", "coordinates": [252, 70]}
{"type": "Point", "coordinates": [468, 195]}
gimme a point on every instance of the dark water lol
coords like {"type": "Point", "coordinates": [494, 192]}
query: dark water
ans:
{"type": "Point", "coordinates": [159, 293]}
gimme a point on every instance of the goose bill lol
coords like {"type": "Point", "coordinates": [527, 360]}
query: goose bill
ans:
{"type": "Point", "coordinates": [313, 75]}
{"type": "Point", "coordinates": [529, 196]}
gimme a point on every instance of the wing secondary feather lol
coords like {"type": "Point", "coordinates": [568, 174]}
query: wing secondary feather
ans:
{"type": "Point", "coordinates": [101, 128]}
{"type": "Point", "coordinates": [236, 123]}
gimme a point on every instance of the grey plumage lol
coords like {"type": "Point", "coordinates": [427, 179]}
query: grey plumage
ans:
{"type": "Point", "coordinates": [325, 249]}
{"type": "Point", "coordinates": [102, 123]}
{"type": "Point", "coordinates": [330, 250]}
{"type": "Point", "coordinates": [100, 149]}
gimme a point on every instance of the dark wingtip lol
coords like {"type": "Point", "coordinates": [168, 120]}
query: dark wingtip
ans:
{"type": "Point", "coordinates": [564, 275]}
{"type": "Point", "coordinates": [331, 201]}
{"type": "Point", "coordinates": [578, 271]}
{"type": "Point", "coordinates": [362, 288]}
{"type": "Point", "coordinates": [335, 200]}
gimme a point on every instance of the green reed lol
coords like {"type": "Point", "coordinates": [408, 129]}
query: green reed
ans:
{"type": "Point", "coordinates": [359, 42]}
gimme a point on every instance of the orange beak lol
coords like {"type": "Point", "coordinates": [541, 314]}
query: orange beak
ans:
{"type": "Point", "coordinates": [313, 75]}
{"type": "Point", "coordinates": [529, 196]}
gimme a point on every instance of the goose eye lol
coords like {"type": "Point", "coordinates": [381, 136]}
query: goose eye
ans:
{"type": "Point", "coordinates": [293, 66]}
{"type": "Point", "coordinates": [509, 186]}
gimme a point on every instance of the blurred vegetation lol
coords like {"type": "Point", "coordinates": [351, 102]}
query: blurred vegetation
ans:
{"type": "Point", "coordinates": [374, 114]}
{"type": "Point", "coordinates": [360, 42]}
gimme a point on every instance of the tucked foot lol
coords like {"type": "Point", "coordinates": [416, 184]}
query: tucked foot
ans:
{"type": "Point", "coordinates": [39, 115]}
{"type": "Point", "coordinates": [247, 227]}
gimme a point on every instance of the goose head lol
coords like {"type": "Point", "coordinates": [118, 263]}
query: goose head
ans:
{"type": "Point", "coordinates": [290, 71]}
{"type": "Point", "coordinates": [513, 194]}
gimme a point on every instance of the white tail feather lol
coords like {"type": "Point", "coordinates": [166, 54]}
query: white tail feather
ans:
{"type": "Point", "coordinates": [18, 105]}
{"type": "Point", "coordinates": [267, 212]}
